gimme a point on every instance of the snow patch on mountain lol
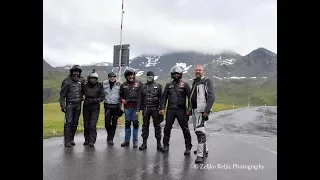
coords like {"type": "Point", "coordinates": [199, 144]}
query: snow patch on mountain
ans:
{"type": "Point", "coordinates": [139, 73]}
{"type": "Point", "coordinates": [152, 61]}
{"type": "Point", "coordinates": [99, 64]}
{"type": "Point", "coordinates": [227, 61]}
{"type": "Point", "coordinates": [103, 64]}
{"type": "Point", "coordinates": [235, 77]}
{"type": "Point", "coordinates": [184, 66]}
{"type": "Point", "coordinates": [221, 61]}
{"type": "Point", "coordinates": [217, 77]}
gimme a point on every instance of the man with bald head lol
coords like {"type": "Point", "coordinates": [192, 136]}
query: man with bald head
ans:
{"type": "Point", "coordinates": [202, 98]}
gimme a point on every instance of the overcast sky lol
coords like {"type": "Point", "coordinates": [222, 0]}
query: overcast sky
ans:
{"type": "Point", "coordinates": [84, 32]}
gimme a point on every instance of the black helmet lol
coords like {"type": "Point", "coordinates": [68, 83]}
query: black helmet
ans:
{"type": "Point", "coordinates": [150, 73]}
{"type": "Point", "coordinates": [176, 70]}
{"type": "Point", "coordinates": [128, 71]}
{"type": "Point", "coordinates": [111, 74]}
{"type": "Point", "coordinates": [150, 76]}
{"type": "Point", "coordinates": [76, 67]}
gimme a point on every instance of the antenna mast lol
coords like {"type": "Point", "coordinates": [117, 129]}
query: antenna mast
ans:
{"type": "Point", "coordinates": [120, 53]}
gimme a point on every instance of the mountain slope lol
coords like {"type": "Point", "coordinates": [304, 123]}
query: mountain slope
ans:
{"type": "Point", "coordinates": [46, 66]}
{"type": "Point", "coordinates": [161, 65]}
{"type": "Point", "coordinates": [238, 79]}
{"type": "Point", "coordinates": [259, 63]}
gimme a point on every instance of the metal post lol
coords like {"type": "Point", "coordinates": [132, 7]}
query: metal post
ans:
{"type": "Point", "coordinates": [120, 53]}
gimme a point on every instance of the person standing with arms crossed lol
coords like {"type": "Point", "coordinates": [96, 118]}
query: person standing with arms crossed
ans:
{"type": "Point", "coordinates": [202, 99]}
{"type": "Point", "coordinates": [112, 105]}
{"type": "Point", "coordinates": [177, 92]}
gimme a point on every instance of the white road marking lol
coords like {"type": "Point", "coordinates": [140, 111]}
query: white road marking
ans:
{"type": "Point", "coordinates": [243, 135]}
{"type": "Point", "coordinates": [273, 152]}
{"type": "Point", "coordinates": [235, 137]}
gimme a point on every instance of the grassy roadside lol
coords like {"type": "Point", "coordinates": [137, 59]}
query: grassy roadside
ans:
{"type": "Point", "coordinates": [53, 119]}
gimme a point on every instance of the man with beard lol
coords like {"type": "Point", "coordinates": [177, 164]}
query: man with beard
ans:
{"type": "Point", "coordinates": [112, 105]}
{"type": "Point", "coordinates": [150, 104]}
{"type": "Point", "coordinates": [129, 96]}
{"type": "Point", "coordinates": [93, 91]}
{"type": "Point", "coordinates": [71, 96]}
{"type": "Point", "coordinates": [202, 99]}
{"type": "Point", "coordinates": [176, 92]}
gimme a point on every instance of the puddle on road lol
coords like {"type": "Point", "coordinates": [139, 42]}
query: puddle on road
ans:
{"type": "Point", "coordinates": [260, 121]}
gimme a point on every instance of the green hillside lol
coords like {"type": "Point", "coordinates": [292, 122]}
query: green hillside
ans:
{"type": "Point", "coordinates": [241, 91]}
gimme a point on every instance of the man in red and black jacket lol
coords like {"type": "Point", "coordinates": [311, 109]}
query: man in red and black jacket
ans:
{"type": "Point", "coordinates": [129, 96]}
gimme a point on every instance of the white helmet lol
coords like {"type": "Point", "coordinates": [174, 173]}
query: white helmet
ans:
{"type": "Point", "coordinates": [93, 74]}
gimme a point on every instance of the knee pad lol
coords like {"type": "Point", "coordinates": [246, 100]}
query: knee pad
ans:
{"type": "Point", "coordinates": [136, 124]}
{"type": "Point", "coordinates": [127, 124]}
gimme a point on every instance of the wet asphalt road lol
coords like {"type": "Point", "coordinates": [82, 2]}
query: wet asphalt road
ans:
{"type": "Point", "coordinates": [242, 145]}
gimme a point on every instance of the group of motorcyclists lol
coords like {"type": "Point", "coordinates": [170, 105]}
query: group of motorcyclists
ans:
{"type": "Point", "coordinates": [177, 100]}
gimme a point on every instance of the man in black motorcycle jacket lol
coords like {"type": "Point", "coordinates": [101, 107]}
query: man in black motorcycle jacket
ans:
{"type": "Point", "coordinates": [177, 92]}
{"type": "Point", "coordinates": [149, 103]}
{"type": "Point", "coordinates": [71, 96]}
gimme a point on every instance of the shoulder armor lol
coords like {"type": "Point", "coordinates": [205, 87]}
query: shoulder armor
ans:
{"type": "Point", "coordinates": [66, 80]}
{"type": "Point", "coordinates": [82, 80]}
{"type": "Point", "coordinates": [125, 83]}
{"type": "Point", "coordinates": [105, 82]}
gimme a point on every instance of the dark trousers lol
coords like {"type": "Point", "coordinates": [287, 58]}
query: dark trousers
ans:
{"type": "Point", "coordinates": [72, 115]}
{"type": "Point", "coordinates": [111, 119]}
{"type": "Point", "coordinates": [90, 118]}
{"type": "Point", "coordinates": [154, 113]}
{"type": "Point", "coordinates": [182, 118]}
